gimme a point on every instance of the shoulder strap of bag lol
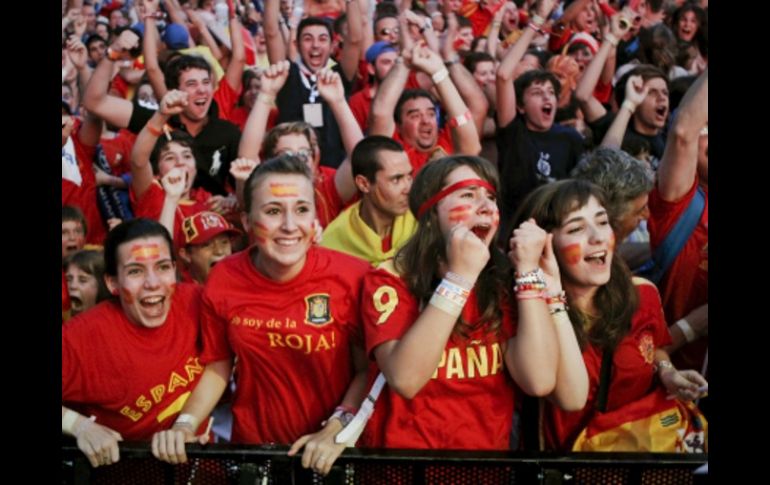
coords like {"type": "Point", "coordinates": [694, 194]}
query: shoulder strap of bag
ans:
{"type": "Point", "coordinates": [604, 381]}
{"type": "Point", "coordinates": [672, 245]}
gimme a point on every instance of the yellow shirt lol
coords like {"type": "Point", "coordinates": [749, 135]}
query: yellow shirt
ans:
{"type": "Point", "coordinates": [348, 233]}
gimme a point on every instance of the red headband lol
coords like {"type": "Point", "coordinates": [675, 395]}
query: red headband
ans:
{"type": "Point", "coordinates": [425, 207]}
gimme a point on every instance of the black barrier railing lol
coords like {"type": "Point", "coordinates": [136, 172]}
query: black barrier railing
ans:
{"type": "Point", "coordinates": [266, 465]}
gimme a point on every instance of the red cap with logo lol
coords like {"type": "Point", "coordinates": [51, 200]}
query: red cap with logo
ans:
{"type": "Point", "coordinates": [201, 227]}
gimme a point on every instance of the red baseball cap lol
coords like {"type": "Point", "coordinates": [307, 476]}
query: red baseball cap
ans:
{"type": "Point", "coordinates": [201, 227]}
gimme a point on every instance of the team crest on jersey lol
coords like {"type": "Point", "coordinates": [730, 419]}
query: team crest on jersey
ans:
{"type": "Point", "coordinates": [647, 348]}
{"type": "Point", "coordinates": [317, 309]}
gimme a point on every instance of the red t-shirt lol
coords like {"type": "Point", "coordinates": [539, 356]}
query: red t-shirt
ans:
{"type": "Point", "coordinates": [469, 402]}
{"type": "Point", "coordinates": [480, 17]}
{"type": "Point", "coordinates": [685, 285]}
{"type": "Point", "coordinates": [240, 115]}
{"type": "Point", "coordinates": [328, 203]}
{"type": "Point", "coordinates": [118, 151]}
{"type": "Point", "coordinates": [360, 104]}
{"type": "Point", "coordinates": [632, 371]}
{"type": "Point", "coordinates": [83, 196]}
{"type": "Point", "coordinates": [361, 101]}
{"type": "Point", "coordinates": [227, 100]}
{"type": "Point", "coordinates": [150, 206]}
{"type": "Point", "coordinates": [66, 305]}
{"type": "Point", "coordinates": [292, 341]}
{"type": "Point", "coordinates": [419, 158]}
{"type": "Point", "coordinates": [134, 379]}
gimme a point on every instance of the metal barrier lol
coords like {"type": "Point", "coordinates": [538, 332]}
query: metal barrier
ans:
{"type": "Point", "coordinates": [269, 465]}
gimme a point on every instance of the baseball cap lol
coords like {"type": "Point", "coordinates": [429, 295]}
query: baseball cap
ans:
{"type": "Point", "coordinates": [201, 227]}
{"type": "Point", "coordinates": [377, 49]}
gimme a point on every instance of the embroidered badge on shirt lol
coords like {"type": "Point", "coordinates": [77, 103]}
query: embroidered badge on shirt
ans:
{"type": "Point", "coordinates": [317, 309]}
{"type": "Point", "coordinates": [647, 348]}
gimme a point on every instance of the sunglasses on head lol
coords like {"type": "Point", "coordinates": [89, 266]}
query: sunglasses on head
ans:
{"type": "Point", "coordinates": [305, 153]}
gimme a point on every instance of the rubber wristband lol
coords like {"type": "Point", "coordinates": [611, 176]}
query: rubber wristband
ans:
{"type": "Point", "coordinates": [439, 76]}
{"type": "Point", "coordinates": [687, 330]}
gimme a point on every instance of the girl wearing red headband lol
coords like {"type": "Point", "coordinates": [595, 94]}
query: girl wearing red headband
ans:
{"type": "Point", "coordinates": [442, 325]}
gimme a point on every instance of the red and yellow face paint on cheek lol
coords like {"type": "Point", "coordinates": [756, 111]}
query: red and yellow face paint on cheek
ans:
{"type": "Point", "coordinates": [611, 244]}
{"type": "Point", "coordinates": [284, 190]}
{"type": "Point", "coordinates": [572, 254]}
{"type": "Point", "coordinates": [460, 213]}
{"type": "Point", "coordinates": [145, 252]}
{"type": "Point", "coordinates": [260, 232]}
{"type": "Point", "coordinates": [126, 296]}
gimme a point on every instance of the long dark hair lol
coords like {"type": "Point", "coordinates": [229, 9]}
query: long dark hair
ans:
{"type": "Point", "coordinates": [418, 260]}
{"type": "Point", "coordinates": [617, 300]}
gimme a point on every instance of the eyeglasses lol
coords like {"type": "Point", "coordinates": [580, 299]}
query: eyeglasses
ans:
{"type": "Point", "coordinates": [304, 153]}
{"type": "Point", "coordinates": [387, 31]}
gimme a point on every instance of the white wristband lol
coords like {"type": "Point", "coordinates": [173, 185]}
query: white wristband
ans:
{"type": "Point", "coordinates": [68, 421]}
{"type": "Point", "coordinates": [629, 105]}
{"type": "Point", "coordinates": [188, 419]}
{"type": "Point", "coordinates": [687, 330]}
{"type": "Point", "coordinates": [446, 305]}
{"type": "Point", "coordinates": [439, 76]}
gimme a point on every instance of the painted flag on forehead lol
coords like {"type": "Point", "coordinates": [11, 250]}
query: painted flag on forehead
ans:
{"type": "Point", "coordinates": [651, 424]}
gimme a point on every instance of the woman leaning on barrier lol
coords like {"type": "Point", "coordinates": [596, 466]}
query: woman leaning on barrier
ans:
{"type": "Point", "coordinates": [442, 326]}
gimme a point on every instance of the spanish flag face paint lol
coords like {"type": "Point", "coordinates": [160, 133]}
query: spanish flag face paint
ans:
{"type": "Point", "coordinates": [460, 213]}
{"type": "Point", "coordinates": [146, 280]}
{"type": "Point", "coordinates": [284, 190]}
{"type": "Point", "coordinates": [572, 254]}
{"type": "Point", "coordinates": [145, 252]}
{"type": "Point", "coordinates": [260, 232]}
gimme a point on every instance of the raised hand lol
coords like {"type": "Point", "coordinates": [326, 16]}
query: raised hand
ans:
{"type": "Point", "coordinates": [466, 253]}
{"type": "Point", "coordinates": [527, 246]}
{"type": "Point", "coordinates": [174, 183]}
{"type": "Point", "coordinates": [426, 60]}
{"type": "Point", "coordinates": [77, 52]}
{"type": "Point", "coordinates": [274, 77]}
{"type": "Point", "coordinates": [330, 86]}
{"type": "Point", "coordinates": [241, 168]}
{"type": "Point", "coordinates": [173, 102]}
{"type": "Point", "coordinates": [636, 91]}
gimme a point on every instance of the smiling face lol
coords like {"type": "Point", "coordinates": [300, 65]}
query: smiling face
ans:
{"type": "Point", "coordinates": [484, 73]}
{"type": "Point", "coordinates": [584, 245]}
{"type": "Point", "coordinates": [177, 155]}
{"type": "Point", "coordinates": [315, 45]}
{"type": "Point", "coordinates": [687, 26]}
{"type": "Point", "coordinates": [281, 224]}
{"type": "Point", "coordinates": [473, 206]}
{"type": "Point", "coordinates": [199, 88]}
{"type": "Point", "coordinates": [145, 280]}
